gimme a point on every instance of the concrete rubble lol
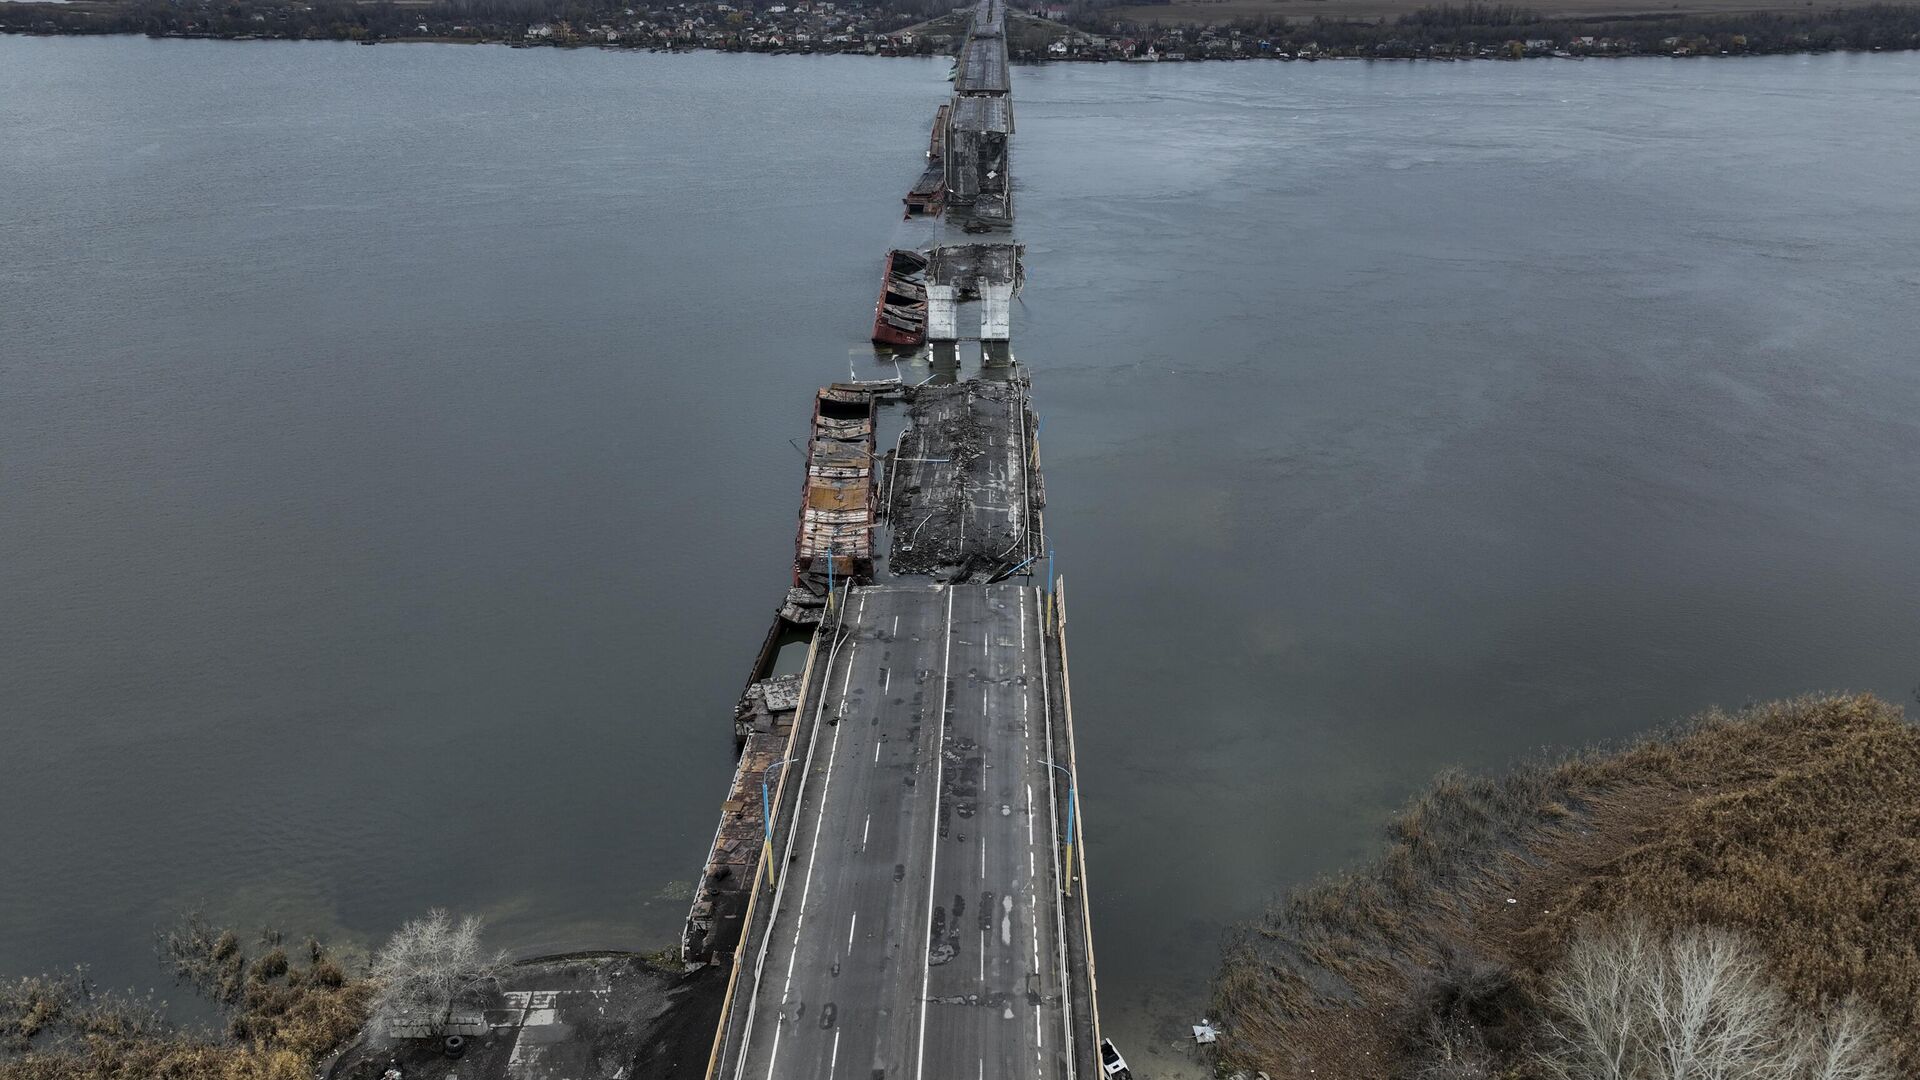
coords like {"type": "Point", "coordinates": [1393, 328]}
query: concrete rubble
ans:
{"type": "Point", "coordinates": [961, 490]}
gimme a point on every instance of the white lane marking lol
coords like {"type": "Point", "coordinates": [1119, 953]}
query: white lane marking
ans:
{"type": "Point", "coordinates": [886, 682]}
{"type": "Point", "coordinates": [834, 1061]}
{"type": "Point", "coordinates": [1029, 814]}
{"type": "Point", "coordinates": [840, 709]}
{"type": "Point", "coordinates": [1033, 909]}
{"type": "Point", "coordinates": [933, 847]}
{"type": "Point", "coordinates": [983, 853]}
{"type": "Point", "coordinates": [1026, 692]}
{"type": "Point", "coordinates": [1033, 915]}
{"type": "Point", "coordinates": [983, 956]}
{"type": "Point", "coordinates": [813, 854]}
{"type": "Point", "coordinates": [865, 829]}
{"type": "Point", "coordinates": [1023, 631]}
{"type": "Point", "coordinates": [876, 753]}
{"type": "Point", "coordinates": [1039, 1040]}
{"type": "Point", "coordinates": [851, 923]}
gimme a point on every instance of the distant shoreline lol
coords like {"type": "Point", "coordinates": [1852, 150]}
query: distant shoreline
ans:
{"type": "Point", "coordinates": [1504, 51]}
{"type": "Point", "coordinates": [1469, 31]}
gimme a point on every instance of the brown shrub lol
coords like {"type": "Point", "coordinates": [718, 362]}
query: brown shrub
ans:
{"type": "Point", "coordinates": [281, 1017]}
{"type": "Point", "coordinates": [1795, 822]}
{"type": "Point", "coordinates": [1813, 852]}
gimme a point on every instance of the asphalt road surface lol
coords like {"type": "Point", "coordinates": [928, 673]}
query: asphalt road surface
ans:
{"type": "Point", "coordinates": [918, 934]}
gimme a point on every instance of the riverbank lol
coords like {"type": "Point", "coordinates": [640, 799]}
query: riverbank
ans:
{"type": "Point", "coordinates": [1790, 825]}
{"type": "Point", "coordinates": [1498, 32]}
{"type": "Point", "coordinates": [1470, 32]}
{"type": "Point", "coordinates": [305, 1015]}
{"type": "Point", "coordinates": [582, 1014]}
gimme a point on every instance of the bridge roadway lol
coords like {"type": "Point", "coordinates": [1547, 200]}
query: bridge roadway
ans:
{"type": "Point", "coordinates": [919, 930]}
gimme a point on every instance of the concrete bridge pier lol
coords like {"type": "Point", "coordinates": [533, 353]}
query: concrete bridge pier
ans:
{"type": "Point", "coordinates": [996, 311]}
{"type": "Point", "coordinates": [943, 312]}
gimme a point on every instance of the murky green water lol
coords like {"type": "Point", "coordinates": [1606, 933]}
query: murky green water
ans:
{"type": "Point", "coordinates": [395, 487]}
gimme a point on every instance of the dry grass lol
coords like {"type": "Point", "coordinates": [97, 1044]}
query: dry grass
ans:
{"type": "Point", "coordinates": [1794, 822]}
{"type": "Point", "coordinates": [282, 1015]}
{"type": "Point", "coordinates": [1812, 848]}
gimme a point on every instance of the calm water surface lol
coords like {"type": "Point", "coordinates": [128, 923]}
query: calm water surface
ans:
{"type": "Point", "coordinates": [394, 478]}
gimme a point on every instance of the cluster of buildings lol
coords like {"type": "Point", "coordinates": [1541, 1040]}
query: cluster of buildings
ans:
{"type": "Point", "coordinates": [799, 26]}
{"type": "Point", "coordinates": [1127, 44]}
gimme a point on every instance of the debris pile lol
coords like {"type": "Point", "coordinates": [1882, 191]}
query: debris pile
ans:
{"type": "Point", "coordinates": [960, 497]}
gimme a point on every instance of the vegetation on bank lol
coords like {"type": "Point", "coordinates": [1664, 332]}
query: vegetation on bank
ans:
{"type": "Point", "coordinates": [1738, 890]}
{"type": "Point", "coordinates": [838, 26]}
{"type": "Point", "coordinates": [1504, 31]}
{"type": "Point", "coordinates": [283, 1010]}
{"type": "Point", "coordinates": [892, 27]}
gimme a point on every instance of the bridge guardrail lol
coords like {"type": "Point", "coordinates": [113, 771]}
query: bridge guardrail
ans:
{"type": "Point", "coordinates": [828, 625]}
{"type": "Point", "coordinates": [1080, 812]}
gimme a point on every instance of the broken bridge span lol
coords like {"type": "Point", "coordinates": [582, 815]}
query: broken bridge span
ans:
{"type": "Point", "coordinates": [898, 883]}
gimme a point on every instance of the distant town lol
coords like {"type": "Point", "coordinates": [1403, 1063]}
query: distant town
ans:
{"type": "Point", "coordinates": [1049, 32]}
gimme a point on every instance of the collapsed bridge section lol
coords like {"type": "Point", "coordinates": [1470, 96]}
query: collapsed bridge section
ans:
{"type": "Point", "coordinates": [957, 273]}
{"type": "Point", "coordinates": [976, 159]}
{"type": "Point", "coordinates": [962, 491]}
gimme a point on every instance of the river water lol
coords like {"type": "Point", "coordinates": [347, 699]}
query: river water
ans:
{"type": "Point", "coordinates": [395, 479]}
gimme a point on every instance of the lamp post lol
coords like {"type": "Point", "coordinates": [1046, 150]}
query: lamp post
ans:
{"type": "Point", "coordinates": [766, 817]}
{"type": "Point", "coordinates": [1072, 802]}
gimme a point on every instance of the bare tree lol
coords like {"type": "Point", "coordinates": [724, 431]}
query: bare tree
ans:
{"type": "Point", "coordinates": [431, 966]}
{"type": "Point", "coordinates": [1628, 1004]}
{"type": "Point", "coordinates": [1843, 1046]}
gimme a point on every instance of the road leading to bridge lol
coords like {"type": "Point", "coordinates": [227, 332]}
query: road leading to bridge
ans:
{"type": "Point", "coordinates": [918, 929]}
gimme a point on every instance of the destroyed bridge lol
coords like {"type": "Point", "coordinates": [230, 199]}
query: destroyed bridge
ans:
{"type": "Point", "coordinates": [898, 884]}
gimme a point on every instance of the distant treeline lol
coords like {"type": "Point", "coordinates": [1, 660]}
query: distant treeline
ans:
{"type": "Point", "coordinates": [1457, 26]}
{"type": "Point", "coordinates": [324, 19]}
{"type": "Point", "coordinates": [1471, 14]}
{"type": "Point", "coordinates": [1470, 29]}
{"type": "Point", "coordinates": [361, 21]}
